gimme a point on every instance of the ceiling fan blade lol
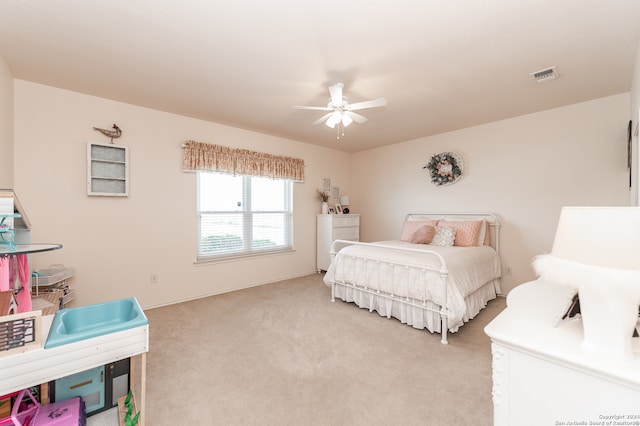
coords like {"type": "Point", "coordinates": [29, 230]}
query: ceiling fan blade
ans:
{"type": "Point", "coordinates": [317, 108]}
{"type": "Point", "coordinates": [323, 118]}
{"type": "Point", "coordinates": [355, 117]}
{"type": "Point", "coordinates": [368, 104]}
{"type": "Point", "coordinates": [336, 94]}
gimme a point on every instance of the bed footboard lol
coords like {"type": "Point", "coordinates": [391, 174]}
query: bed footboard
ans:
{"type": "Point", "coordinates": [424, 301]}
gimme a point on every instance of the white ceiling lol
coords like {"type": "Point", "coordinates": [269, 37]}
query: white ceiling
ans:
{"type": "Point", "coordinates": [442, 65]}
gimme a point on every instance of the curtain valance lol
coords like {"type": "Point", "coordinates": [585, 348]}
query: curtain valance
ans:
{"type": "Point", "coordinates": [200, 156]}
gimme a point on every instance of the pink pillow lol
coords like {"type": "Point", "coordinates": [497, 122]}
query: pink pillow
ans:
{"type": "Point", "coordinates": [467, 232]}
{"type": "Point", "coordinates": [411, 226]}
{"type": "Point", "coordinates": [423, 235]}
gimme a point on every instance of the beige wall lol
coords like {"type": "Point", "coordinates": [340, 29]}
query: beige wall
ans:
{"type": "Point", "coordinates": [6, 126]}
{"type": "Point", "coordinates": [524, 169]}
{"type": "Point", "coordinates": [116, 243]}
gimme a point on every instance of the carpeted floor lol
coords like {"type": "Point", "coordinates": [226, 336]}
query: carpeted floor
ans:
{"type": "Point", "coordinates": [283, 354]}
{"type": "Point", "coordinates": [106, 418]}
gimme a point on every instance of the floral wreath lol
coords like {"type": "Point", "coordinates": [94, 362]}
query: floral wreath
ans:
{"type": "Point", "coordinates": [445, 168]}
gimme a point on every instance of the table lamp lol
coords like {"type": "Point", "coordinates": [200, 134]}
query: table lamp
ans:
{"type": "Point", "coordinates": [596, 251]}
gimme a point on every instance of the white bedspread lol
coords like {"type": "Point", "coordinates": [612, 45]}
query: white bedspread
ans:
{"type": "Point", "coordinates": [469, 268]}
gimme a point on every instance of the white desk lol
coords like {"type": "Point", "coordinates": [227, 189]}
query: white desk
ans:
{"type": "Point", "coordinates": [541, 374]}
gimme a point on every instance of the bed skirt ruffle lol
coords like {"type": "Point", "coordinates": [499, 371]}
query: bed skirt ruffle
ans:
{"type": "Point", "coordinates": [418, 316]}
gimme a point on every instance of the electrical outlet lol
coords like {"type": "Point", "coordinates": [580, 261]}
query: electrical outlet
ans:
{"type": "Point", "coordinates": [154, 278]}
{"type": "Point", "coordinates": [507, 270]}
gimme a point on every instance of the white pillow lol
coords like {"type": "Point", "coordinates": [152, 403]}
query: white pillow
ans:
{"type": "Point", "coordinates": [484, 228]}
{"type": "Point", "coordinates": [444, 236]}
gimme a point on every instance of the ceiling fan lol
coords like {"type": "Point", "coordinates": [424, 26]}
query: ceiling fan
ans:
{"type": "Point", "coordinates": [340, 110]}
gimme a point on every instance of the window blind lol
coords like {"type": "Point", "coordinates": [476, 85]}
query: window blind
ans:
{"type": "Point", "coordinates": [243, 215]}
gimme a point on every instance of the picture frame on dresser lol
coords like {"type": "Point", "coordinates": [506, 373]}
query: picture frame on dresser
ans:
{"type": "Point", "coordinates": [338, 209]}
{"type": "Point", "coordinates": [332, 210]}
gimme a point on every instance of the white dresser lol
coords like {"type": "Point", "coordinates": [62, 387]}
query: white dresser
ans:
{"type": "Point", "coordinates": [331, 227]}
{"type": "Point", "coordinates": [542, 375]}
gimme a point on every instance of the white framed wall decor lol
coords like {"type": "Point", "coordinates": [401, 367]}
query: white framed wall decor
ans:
{"type": "Point", "coordinates": [107, 170]}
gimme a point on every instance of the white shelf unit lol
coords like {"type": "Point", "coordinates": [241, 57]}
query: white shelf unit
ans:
{"type": "Point", "coordinates": [107, 170]}
{"type": "Point", "coordinates": [51, 284]}
{"type": "Point", "coordinates": [331, 227]}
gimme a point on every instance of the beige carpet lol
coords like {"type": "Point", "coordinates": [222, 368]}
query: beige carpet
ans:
{"type": "Point", "coordinates": [283, 354]}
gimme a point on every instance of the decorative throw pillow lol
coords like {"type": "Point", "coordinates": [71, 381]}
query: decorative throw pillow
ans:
{"type": "Point", "coordinates": [423, 235]}
{"type": "Point", "coordinates": [444, 236]}
{"type": "Point", "coordinates": [411, 226]}
{"type": "Point", "coordinates": [467, 231]}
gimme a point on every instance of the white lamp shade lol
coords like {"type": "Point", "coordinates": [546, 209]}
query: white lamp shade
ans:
{"type": "Point", "coordinates": [601, 236]}
{"type": "Point", "coordinates": [344, 200]}
{"type": "Point", "coordinates": [334, 119]}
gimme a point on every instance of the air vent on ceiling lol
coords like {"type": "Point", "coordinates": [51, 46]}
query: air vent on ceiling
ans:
{"type": "Point", "coordinates": [545, 74]}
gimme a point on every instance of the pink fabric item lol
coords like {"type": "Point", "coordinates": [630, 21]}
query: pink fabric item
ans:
{"type": "Point", "coordinates": [412, 226]}
{"type": "Point", "coordinates": [4, 273]}
{"type": "Point", "coordinates": [23, 298]}
{"type": "Point", "coordinates": [13, 272]}
{"type": "Point", "coordinates": [423, 235]}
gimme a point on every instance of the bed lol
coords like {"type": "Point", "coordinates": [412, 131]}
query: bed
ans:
{"type": "Point", "coordinates": [423, 279]}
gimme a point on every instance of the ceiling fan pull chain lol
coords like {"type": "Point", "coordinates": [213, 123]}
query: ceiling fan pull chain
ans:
{"type": "Point", "coordinates": [340, 130]}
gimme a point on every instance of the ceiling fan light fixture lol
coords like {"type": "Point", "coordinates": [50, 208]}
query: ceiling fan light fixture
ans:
{"type": "Point", "coordinates": [334, 119]}
{"type": "Point", "coordinates": [340, 112]}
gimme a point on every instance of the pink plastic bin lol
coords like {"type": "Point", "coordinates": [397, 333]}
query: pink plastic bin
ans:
{"type": "Point", "coordinates": [70, 412]}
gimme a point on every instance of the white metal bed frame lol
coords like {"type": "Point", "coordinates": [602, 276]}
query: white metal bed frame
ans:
{"type": "Point", "coordinates": [442, 269]}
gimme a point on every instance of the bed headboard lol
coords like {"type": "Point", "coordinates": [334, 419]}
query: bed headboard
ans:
{"type": "Point", "coordinates": [490, 218]}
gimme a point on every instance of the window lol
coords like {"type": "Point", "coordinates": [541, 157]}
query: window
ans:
{"type": "Point", "coordinates": [243, 215]}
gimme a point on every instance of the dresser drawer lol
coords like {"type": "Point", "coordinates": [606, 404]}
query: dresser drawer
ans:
{"type": "Point", "coordinates": [339, 221]}
{"type": "Point", "coordinates": [350, 233]}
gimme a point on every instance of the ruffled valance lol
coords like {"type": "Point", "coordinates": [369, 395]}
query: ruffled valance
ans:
{"type": "Point", "coordinates": [200, 156]}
